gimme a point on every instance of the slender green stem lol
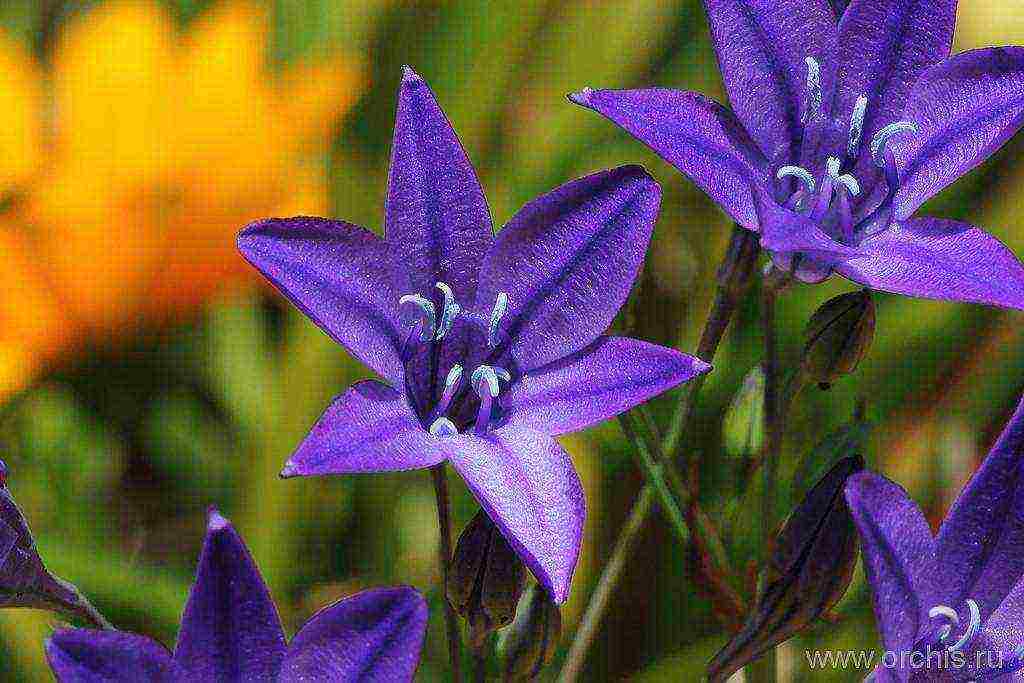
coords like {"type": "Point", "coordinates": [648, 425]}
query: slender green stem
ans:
{"type": "Point", "coordinates": [444, 524]}
{"type": "Point", "coordinates": [480, 664]}
{"type": "Point", "coordinates": [81, 608]}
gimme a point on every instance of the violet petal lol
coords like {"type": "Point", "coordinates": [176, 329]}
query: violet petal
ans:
{"type": "Point", "coordinates": [939, 259]}
{"type": "Point", "coordinates": [230, 629]}
{"type": "Point", "coordinates": [608, 377]}
{"type": "Point", "coordinates": [370, 428]}
{"type": "Point", "coordinates": [375, 635]}
{"type": "Point", "coordinates": [337, 274]}
{"type": "Point", "coordinates": [695, 134]}
{"type": "Point", "coordinates": [567, 261]}
{"type": "Point", "coordinates": [86, 656]}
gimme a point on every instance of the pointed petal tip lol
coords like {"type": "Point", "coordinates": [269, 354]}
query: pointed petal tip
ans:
{"type": "Point", "coordinates": [215, 521]}
{"type": "Point", "coordinates": [409, 76]}
{"type": "Point", "coordinates": [289, 470]}
{"type": "Point", "coordinates": [581, 97]}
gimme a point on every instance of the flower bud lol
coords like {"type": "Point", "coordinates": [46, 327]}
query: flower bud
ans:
{"type": "Point", "coordinates": [837, 336]}
{"type": "Point", "coordinates": [809, 571]}
{"type": "Point", "coordinates": [530, 644]}
{"type": "Point", "coordinates": [743, 424]}
{"type": "Point", "coordinates": [485, 580]}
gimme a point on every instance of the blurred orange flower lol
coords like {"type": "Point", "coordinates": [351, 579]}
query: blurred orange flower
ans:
{"type": "Point", "coordinates": [160, 146]}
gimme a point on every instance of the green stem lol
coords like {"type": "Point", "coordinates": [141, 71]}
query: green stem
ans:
{"type": "Point", "coordinates": [444, 525]}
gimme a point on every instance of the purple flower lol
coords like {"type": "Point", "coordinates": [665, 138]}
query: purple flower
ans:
{"type": "Point", "coordinates": [839, 133]}
{"type": "Point", "coordinates": [489, 346]}
{"type": "Point", "coordinates": [230, 631]}
{"type": "Point", "coordinates": [959, 596]}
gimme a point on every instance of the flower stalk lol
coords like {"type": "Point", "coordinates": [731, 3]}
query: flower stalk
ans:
{"type": "Point", "coordinates": [444, 525]}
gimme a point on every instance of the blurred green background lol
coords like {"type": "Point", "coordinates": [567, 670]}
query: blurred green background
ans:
{"type": "Point", "coordinates": [145, 374]}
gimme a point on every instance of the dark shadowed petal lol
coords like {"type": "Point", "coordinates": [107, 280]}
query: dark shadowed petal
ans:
{"type": "Point", "coordinates": [375, 635]}
{"type": "Point", "coordinates": [230, 630]}
{"type": "Point", "coordinates": [528, 486]}
{"type": "Point", "coordinates": [965, 108]}
{"type": "Point", "coordinates": [337, 274]}
{"type": "Point", "coordinates": [88, 656]}
{"type": "Point", "coordinates": [762, 47]}
{"type": "Point", "coordinates": [369, 428]}
{"type": "Point", "coordinates": [884, 47]}
{"type": "Point", "coordinates": [608, 377]}
{"type": "Point", "coordinates": [980, 543]}
{"type": "Point", "coordinates": [567, 261]}
{"type": "Point", "coordinates": [436, 217]}
{"type": "Point", "coordinates": [939, 259]}
{"type": "Point", "coordinates": [899, 556]}
{"type": "Point", "coordinates": [695, 134]}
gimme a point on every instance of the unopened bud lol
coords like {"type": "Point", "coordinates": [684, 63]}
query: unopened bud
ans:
{"type": "Point", "coordinates": [743, 424]}
{"type": "Point", "coordinates": [486, 579]}
{"type": "Point", "coordinates": [809, 571]}
{"type": "Point", "coordinates": [530, 644]}
{"type": "Point", "coordinates": [837, 336]}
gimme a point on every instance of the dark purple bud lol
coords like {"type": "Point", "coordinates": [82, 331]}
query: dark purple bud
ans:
{"type": "Point", "coordinates": [24, 581]}
{"type": "Point", "coordinates": [810, 570]}
{"type": "Point", "coordinates": [530, 644]}
{"type": "Point", "coordinates": [486, 579]}
{"type": "Point", "coordinates": [837, 336]}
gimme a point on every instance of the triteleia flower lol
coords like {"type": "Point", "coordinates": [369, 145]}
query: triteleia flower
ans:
{"type": "Point", "coordinates": [230, 631]}
{"type": "Point", "coordinates": [489, 346]}
{"type": "Point", "coordinates": [958, 597]}
{"type": "Point", "coordinates": [838, 134]}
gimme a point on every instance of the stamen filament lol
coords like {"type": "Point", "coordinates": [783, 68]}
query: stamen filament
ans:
{"type": "Point", "coordinates": [485, 381]}
{"type": "Point", "coordinates": [500, 306]}
{"type": "Point", "coordinates": [451, 387]}
{"type": "Point", "coordinates": [972, 628]}
{"type": "Point", "coordinates": [426, 314]}
{"type": "Point", "coordinates": [813, 89]}
{"type": "Point", "coordinates": [860, 108]}
{"type": "Point", "coordinates": [882, 138]}
{"type": "Point", "coordinates": [449, 313]}
{"type": "Point", "coordinates": [800, 173]}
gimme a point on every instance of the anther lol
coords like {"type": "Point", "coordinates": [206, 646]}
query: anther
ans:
{"type": "Point", "coordinates": [442, 426]}
{"type": "Point", "coordinates": [972, 628]}
{"type": "Point", "coordinates": [846, 180]}
{"type": "Point", "coordinates": [500, 306]}
{"type": "Point", "coordinates": [449, 313]}
{"type": "Point", "coordinates": [860, 108]}
{"type": "Point", "coordinates": [813, 89]}
{"type": "Point", "coordinates": [882, 137]}
{"type": "Point", "coordinates": [426, 314]}
{"type": "Point", "coordinates": [800, 173]}
{"type": "Point", "coordinates": [485, 381]}
{"type": "Point", "coordinates": [451, 387]}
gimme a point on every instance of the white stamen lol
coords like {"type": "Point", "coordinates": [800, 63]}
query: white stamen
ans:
{"type": "Point", "coordinates": [860, 108]}
{"type": "Point", "coordinates": [813, 89]}
{"type": "Point", "coordinates": [449, 313]}
{"type": "Point", "coordinates": [454, 376]}
{"type": "Point", "coordinates": [832, 166]}
{"type": "Point", "coordinates": [947, 612]}
{"type": "Point", "coordinates": [882, 137]}
{"type": "Point", "coordinates": [850, 183]}
{"type": "Point", "coordinates": [500, 306]}
{"type": "Point", "coordinates": [972, 628]}
{"type": "Point", "coordinates": [428, 317]}
{"type": "Point", "coordinates": [800, 173]}
{"type": "Point", "coordinates": [490, 375]}
{"type": "Point", "coordinates": [443, 427]}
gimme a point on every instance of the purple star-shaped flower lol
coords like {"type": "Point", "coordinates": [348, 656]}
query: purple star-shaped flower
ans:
{"type": "Point", "coordinates": [959, 596]}
{"type": "Point", "coordinates": [230, 631]}
{"type": "Point", "coordinates": [838, 134]}
{"type": "Point", "coordinates": [489, 346]}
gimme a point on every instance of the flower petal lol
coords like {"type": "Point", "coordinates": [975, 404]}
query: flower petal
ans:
{"type": "Point", "coordinates": [762, 46]}
{"type": "Point", "coordinates": [528, 486]}
{"type": "Point", "coordinates": [884, 47]}
{"type": "Point", "coordinates": [695, 134]}
{"type": "Point", "coordinates": [939, 259]}
{"type": "Point", "coordinates": [370, 428]}
{"type": "Point", "coordinates": [79, 655]}
{"type": "Point", "coordinates": [230, 629]}
{"type": "Point", "coordinates": [979, 544]}
{"type": "Point", "coordinates": [375, 635]}
{"type": "Point", "coordinates": [336, 273]}
{"type": "Point", "coordinates": [567, 261]}
{"type": "Point", "coordinates": [437, 221]}
{"type": "Point", "coordinates": [899, 556]}
{"type": "Point", "coordinates": [965, 109]}
{"type": "Point", "coordinates": [608, 377]}
{"type": "Point", "coordinates": [787, 232]}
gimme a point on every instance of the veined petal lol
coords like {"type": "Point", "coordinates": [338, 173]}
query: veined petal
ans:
{"type": "Point", "coordinates": [567, 261]}
{"type": "Point", "coordinates": [436, 218]}
{"type": "Point", "coordinates": [337, 274]}
{"type": "Point", "coordinates": [79, 655]}
{"type": "Point", "coordinates": [375, 635]}
{"type": "Point", "coordinates": [965, 108]}
{"type": "Point", "coordinates": [762, 46]}
{"type": "Point", "coordinates": [899, 556]}
{"type": "Point", "coordinates": [939, 259]}
{"type": "Point", "coordinates": [370, 428]}
{"type": "Point", "coordinates": [979, 544]}
{"type": "Point", "coordinates": [884, 47]}
{"type": "Point", "coordinates": [608, 377]}
{"type": "Point", "coordinates": [528, 486]}
{"type": "Point", "coordinates": [230, 630]}
{"type": "Point", "coordinates": [695, 134]}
